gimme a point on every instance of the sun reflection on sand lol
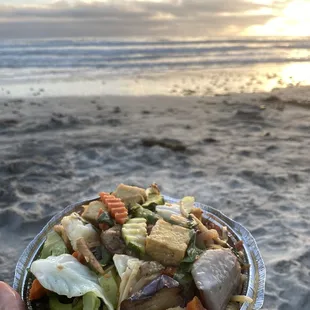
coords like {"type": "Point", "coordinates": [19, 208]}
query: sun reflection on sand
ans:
{"type": "Point", "coordinates": [297, 73]}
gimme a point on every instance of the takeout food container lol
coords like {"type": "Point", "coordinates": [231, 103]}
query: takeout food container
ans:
{"type": "Point", "coordinates": [254, 287]}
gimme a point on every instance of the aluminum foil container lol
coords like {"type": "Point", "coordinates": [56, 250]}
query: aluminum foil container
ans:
{"type": "Point", "coordinates": [254, 288]}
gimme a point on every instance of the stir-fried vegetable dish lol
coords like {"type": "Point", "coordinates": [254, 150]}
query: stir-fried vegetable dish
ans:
{"type": "Point", "coordinates": [132, 250]}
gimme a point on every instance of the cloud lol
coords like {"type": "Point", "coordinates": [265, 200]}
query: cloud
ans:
{"type": "Point", "coordinates": [133, 18]}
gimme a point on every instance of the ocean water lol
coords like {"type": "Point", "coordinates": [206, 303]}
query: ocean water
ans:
{"type": "Point", "coordinates": [279, 63]}
{"type": "Point", "coordinates": [70, 54]}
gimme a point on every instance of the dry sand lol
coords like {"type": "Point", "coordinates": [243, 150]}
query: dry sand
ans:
{"type": "Point", "coordinates": [247, 155]}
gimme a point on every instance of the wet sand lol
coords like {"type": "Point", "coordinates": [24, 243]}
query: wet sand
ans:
{"type": "Point", "coordinates": [245, 154]}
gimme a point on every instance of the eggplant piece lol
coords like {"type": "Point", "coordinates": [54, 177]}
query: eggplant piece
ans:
{"type": "Point", "coordinates": [162, 300]}
{"type": "Point", "coordinates": [217, 275]}
{"type": "Point", "coordinates": [143, 282]}
{"type": "Point", "coordinates": [148, 272]}
{"type": "Point", "coordinates": [161, 294]}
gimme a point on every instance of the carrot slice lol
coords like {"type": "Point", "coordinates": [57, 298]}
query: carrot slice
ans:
{"type": "Point", "coordinates": [100, 212]}
{"type": "Point", "coordinates": [195, 304]}
{"type": "Point", "coordinates": [115, 211]}
{"type": "Point", "coordinates": [109, 200]}
{"type": "Point", "coordinates": [122, 220]}
{"type": "Point", "coordinates": [121, 216]}
{"type": "Point", "coordinates": [115, 206]}
{"type": "Point", "coordinates": [37, 291]}
{"type": "Point", "coordinates": [103, 195]}
{"type": "Point", "coordinates": [79, 257]}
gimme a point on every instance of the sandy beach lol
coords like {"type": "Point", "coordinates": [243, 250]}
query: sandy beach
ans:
{"type": "Point", "coordinates": [245, 154]}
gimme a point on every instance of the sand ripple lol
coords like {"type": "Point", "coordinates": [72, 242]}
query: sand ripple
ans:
{"type": "Point", "coordinates": [250, 161]}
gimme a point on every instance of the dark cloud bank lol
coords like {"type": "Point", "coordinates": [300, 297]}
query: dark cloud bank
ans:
{"type": "Point", "coordinates": [120, 18]}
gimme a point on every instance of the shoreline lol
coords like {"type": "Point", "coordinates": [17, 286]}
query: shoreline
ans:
{"type": "Point", "coordinates": [170, 82]}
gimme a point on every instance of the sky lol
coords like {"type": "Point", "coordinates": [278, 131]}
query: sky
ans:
{"type": "Point", "coordinates": [156, 18]}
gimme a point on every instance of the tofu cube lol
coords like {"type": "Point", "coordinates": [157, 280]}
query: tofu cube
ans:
{"type": "Point", "coordinates": [167, 243]}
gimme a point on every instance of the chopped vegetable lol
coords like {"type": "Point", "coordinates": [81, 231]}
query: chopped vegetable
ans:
{"type": "Point", "coordinates": [153, 201]}
{"type": "Point", "coordinates": [162, 293]}
{"type": "Point", "coordinates": [129, 279]}
{"type": "Point", "coordinates": [192, 252]}
{"type": "Point", "coordinates": [55, 304]}
{"type": "Point", "coordinates": [76, 228]}
{"type": "Point", "coordinates": [109, 283]}
{"type": "Point", "coordinates": [64, 275]}
{"type": "Point", "coordinates": [150, 267]}
{"type": "Point", "coordinates": [91, 301]}
{"type": "Point", "coordinates": [217, 276]}
{"type": "Point", "coordinates": [88, 255]}
{"type": "Point", "coordinates": [121, 262]}
{"type": "Point", "coordinates": [167, 297]}
{"type": "Point", "coordinates": [172, 214]}
{"type": "Point", "coordinates": [116, 207]}
{"type": "Point", "coordinates": [54, 245]}
{"type": "Point", "coordinates": [37, 291]}
{"type": "Point", "coordinates": [165, 211]}
{"type": "Point", "coordinates": [112, 240]}
{"type": "Point", "coordinates": [185, 260]}
{"type": "Point", "coordinates": [154, 198]}
{"type": "Point", "coordinates": [195, 304]}
{"type": "Point", "coordinates": [184, 277]}
{"type": "Point", "coordinates": [143, 282]}
{"type": "Point", "coordinates": [79, 257]}
{"type": "Point", "coordinates": [186, 205]}
{"type": "Point", "coordinates": [153, 190]}
{"type": "Point", "coordinates": [106, 256]}
{"type": "Point", "coordinates": [105, 218]}
{"type": "Point", "coordinates": [159, 283]}
{"type": "Point", "coordinates": [134, 233]}
{"type": "Point", "coordinates": [91, 210]}
{"type": "Point", "coordinates": [139, 211]}
{"type": "Point", "coordinates": [59, 229]}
